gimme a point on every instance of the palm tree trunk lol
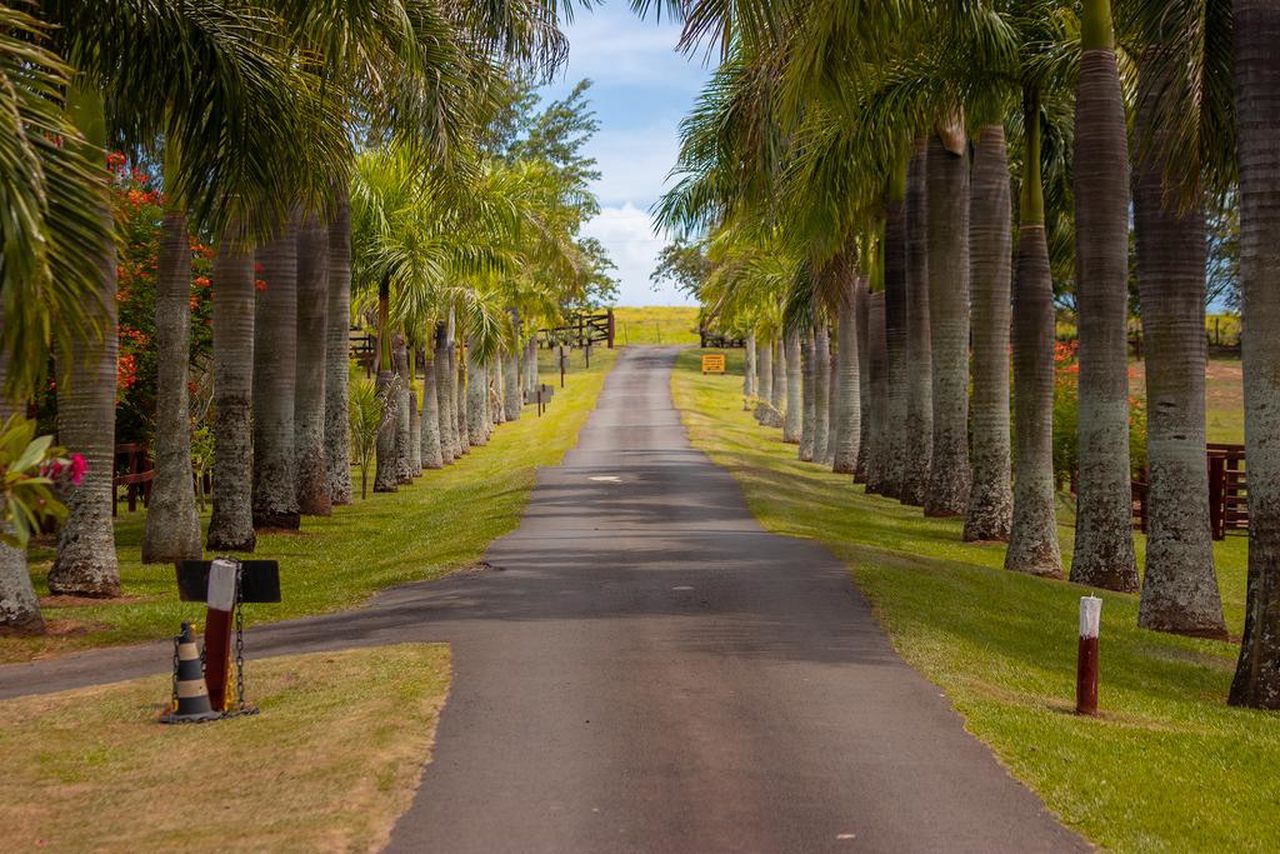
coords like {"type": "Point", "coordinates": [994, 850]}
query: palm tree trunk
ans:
{"type": "Point", "coordinates": [404, 405]}
{"type": "Point", "coordinates": [765, 382]}
{"type": "Point", "coordinates": [513, 400]}
{"type": "Point", "coordinates": [462, 377]}
{"type": "Point", "coordinates": [444, 396]}
{"type": "Point", "coordinates": [1257, 89]}
{"type": "Point", "coordinates": [1033, 536]}
{"type": "Point", "coordinates": [895, 336]}
{"type": "Point", "coordinates": [777, 417]}
{"type": "Point", "coordinates": [496, 410]}
{"type": "Point", "coordinates": [847, 426]}
{"type": "Point", "coordinates": [531, 381]}
{"type": "Point", "coordinates": [85, 564]}
{"type": "Point", "coordinates": [918, 432]}
{"type": "Point", "coordinates": [795, 407]}
{"type": "Point", "coordinates": [947, 178]}
{"type": "Point", "coordinates": [1179, 588]}
{"type": "Point", "coordinates": [415, 429]}
{"type": "Point", "coordinates": [310, 371]}
{"type": "Point", "coordinates": [231, 525]}
{"type": "Point", "coordinates": [433, 449]}
{"type": "Point", "coordinates": [1104, 555]}
{"type": "Point", "coordinates": [821, 392]}
{"type": "Point", "coordinates": [19, 607]}
{"type": "Point", "coordinates": [749, 372]}
{"type": "Point", "coordinates": [862, 308]}
{"type": "Point", "coordinates": [990, 512]}
{"type": "Point", "coordinates": [808, 397]}
{"type": "Point", "coordinates": [477, 398]}
{"type": "Point", "coordinates": [877, 399]}
{"type": "Point", "coordinates": [337, 361]}
{"type": "Point", "coordinates": [172, 527]}
{"type": "Point", "coordinates": [384, 475]}
{"type": "Point", "coordinates": [833, 398]}
{"type": "Point", "coordinates": [275, 352]}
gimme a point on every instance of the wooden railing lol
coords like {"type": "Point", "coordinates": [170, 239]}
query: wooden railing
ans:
{"type": "Point", "coordinates": [1228, 491]}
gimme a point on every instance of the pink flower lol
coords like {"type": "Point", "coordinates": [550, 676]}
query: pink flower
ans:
{"type": "Point", "coordinates": [78, 468]}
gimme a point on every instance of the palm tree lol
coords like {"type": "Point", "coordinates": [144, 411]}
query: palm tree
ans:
{"type": "Point", "coordinates": [876, 413]}
{"type": "Point", "coordinates": [749, 376]}
{"type": "Point", "coordinates": [1033, 535]}
{"type": "Point", "coordinates": [1257, 70]}
{"type": "Point", "coordinates": [337, 349]}
{"type": "Point", "coordinates": [808, 396]}
{"type": "Point", "coordinates": [947, 178]}
{"type": "Point", "coordinates": [990, 511]}
{"type": "Point", "coordinates": [765, 383]}
{"type": "Point", "coordinates": [866, 421]}
{"type": "Point", "coordinates": [404, 441]}
{"type": "Point", "coordinates": [847, 429]}
{"type": "Point", "coordinates": [1179, 589]}
{"type": "Point", "coordinates": [821, 392]}
{"type": "Point", "coordinates": [795, 407]}
{"type": "Point", "coordinates": [1104, 555]}
{"type": "Point", "coordinates": [275, 352]}
{"type": "Point", "coordinates": [231, 525]}
{"type": "Point", "coordinates": [433, 450]}
{"type": "Point", "coordinates": [895, 332]}
{"type": "Point", "coordinates": [918, 423]}
{"type": "Point", "coordinates": [85, 564]}
{"type": "Point", "coordinates": [311, 371]}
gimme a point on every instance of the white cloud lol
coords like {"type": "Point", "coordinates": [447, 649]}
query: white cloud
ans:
{"type": "Point", "coordinates": [627, 233]}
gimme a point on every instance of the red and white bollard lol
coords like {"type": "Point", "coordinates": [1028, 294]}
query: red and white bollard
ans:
{"type": "Point", "coordinates": [223, 575]}
{"type": "Point", "coordinates": [1087, 658]}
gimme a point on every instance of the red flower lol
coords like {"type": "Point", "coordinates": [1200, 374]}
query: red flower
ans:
{"type": "Point", "coordinates": [258, 268]}
{"type": "Point", "coordinates": [78, 469]}
{"type": "Point", "coordinates": [260, 286]}
{"type": "Point", "coordinates": [203, 281]}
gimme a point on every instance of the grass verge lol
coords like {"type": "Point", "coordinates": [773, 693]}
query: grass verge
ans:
{"type": "Point", "coordinates": [441, 523]}
{"type": "Point", "coordinates": [329, 764]}
{"type": "Point", "coordinates": [1168, 766]}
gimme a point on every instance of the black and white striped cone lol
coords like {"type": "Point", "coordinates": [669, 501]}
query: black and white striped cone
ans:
{"type": "Point", "coordinates": [193, 695]}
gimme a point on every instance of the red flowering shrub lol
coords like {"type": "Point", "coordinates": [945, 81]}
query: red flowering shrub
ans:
{"type": "Point", "coordinates": [1066, 409]}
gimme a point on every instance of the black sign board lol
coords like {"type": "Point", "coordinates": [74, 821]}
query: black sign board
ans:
{"type": "Point", "coordinates": [259, 580]}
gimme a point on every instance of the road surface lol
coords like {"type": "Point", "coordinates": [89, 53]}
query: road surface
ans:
{"type": "Point", "coordinates": [645, 669]}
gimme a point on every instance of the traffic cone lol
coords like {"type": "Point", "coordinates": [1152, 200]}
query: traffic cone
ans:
{"type": "Point", "coordinates": [193, 695]}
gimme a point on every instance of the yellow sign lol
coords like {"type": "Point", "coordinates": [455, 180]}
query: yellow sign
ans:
{"type": "Point", "coordinates": [713, 363]}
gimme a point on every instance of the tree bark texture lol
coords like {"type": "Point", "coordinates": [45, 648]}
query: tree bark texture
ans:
{"type": "Point", "coordinates": [765, 382]}
{"type": "Point", "coordinates": [947, 179]}
{"type": "Point", "coordinates": [432, 452]}
{"type": "Point", "coordinates": [477, 399]}
{"type": "Point", "coordinates": [1257, 88]}
{"type": "Point", "coordinates": [795, 393]}
{"type": "Point", "coordinates": [275, 351]}
{"type": "Point", "coordinates": [404, 417]}
{"type": "Point", "coordinates": [821, 392]}
{"type": "Point", "coordinates": [918, 432]}
{"type": "Point", "coordinates": [749, 372]}
{"type": "Point", "coordinates": [313, 329]}
{"type": "Point", "coordinates": [894, 452]}
{"type": "Point", "coordinates": [990, 513]}
{"type": "Point", "coordinates": [231, 525]}
{"type": "Point", "coordinates": [85, 564]}
{"type": "Point", "coordinates": [865, 420]}
{"type": "Point", "coordinates": [337, 362]}
{"type": "Point", "coordinates": [1179, 588]}
{"type": "Point", "coordinates": [808, 396]}
{"type": "Point", "coordinates": [172, 529]}
{"type": "Point", "coordinates": [1104, 555]}
{"type": "Point", "coordinates": [877, 401]}
{"type": "Point", "coordinates": [848, 423]}
{"type": "Point", "coordinates": [779, 396]}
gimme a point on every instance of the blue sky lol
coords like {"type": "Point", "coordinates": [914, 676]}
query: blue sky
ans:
{"type": "Point", "coordinates": [642, 88]}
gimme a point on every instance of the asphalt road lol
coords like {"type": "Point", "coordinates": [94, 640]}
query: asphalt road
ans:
{"type": "Point", "coordinates": [645, 669]}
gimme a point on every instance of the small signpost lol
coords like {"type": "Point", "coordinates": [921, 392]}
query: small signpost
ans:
{"type": "Point", "coordinates": [225, 584]}
{"type": "Point", "coordinates": [713, 363]}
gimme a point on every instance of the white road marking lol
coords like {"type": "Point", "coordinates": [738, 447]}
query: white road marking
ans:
{"type": "Point", "coordinates": [606, 478]}
{"type": "Point", "coordinates": [682, 587]}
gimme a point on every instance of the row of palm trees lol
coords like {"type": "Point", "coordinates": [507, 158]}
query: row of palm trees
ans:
{"type": "Point", "coordinates": [853, 167]}
{"type": "Point", "coordinates": [252, 110]}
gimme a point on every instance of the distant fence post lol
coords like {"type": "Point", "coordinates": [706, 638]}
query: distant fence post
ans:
{"type": "Point", "coordinates": [613, 328]}
{"type": "Point", "coordinates": [1087, 656]}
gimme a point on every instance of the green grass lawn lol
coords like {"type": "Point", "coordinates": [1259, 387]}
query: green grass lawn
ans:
{"type": "Point", "coordinates": [329, 764]}
{"type": "Point", "coordinates": [675, 324]}
{"type": "Point", "coordinates": [1168, 766]}
{"type": "Point", "coordinates": [443, 522]}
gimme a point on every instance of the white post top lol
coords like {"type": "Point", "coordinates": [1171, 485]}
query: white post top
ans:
{"type": "Point", "coordinates": [1090, 616]}
{"type": "Point", "coordinates": [222, 584]}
